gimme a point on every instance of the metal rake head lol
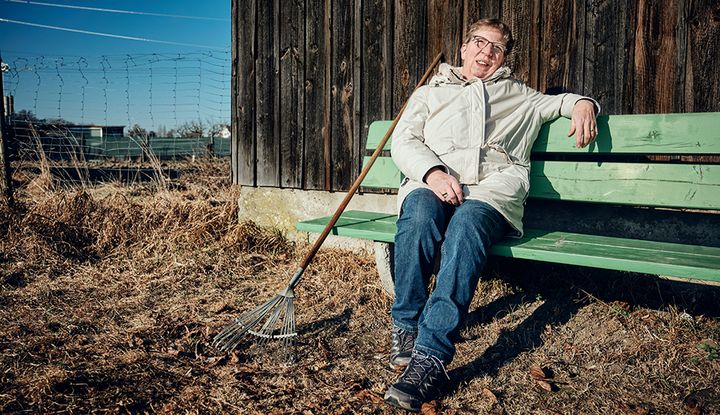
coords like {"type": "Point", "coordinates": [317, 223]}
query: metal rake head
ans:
{"type": "Point", "coordinates": [274, 320]}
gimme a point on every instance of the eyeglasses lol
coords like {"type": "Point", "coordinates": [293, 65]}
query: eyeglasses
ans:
{"type": "Point", "coordinates": [497, 48]}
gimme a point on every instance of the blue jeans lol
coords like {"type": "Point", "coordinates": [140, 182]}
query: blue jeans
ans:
{"type": "Point", "coordinates": [464, 233]}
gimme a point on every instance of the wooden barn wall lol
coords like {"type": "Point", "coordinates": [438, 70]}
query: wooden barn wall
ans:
{"type": "Point", "coordinates": [309, 76]}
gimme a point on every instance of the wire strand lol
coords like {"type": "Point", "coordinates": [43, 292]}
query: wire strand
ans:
{"type": "Point", "coordinates": [87, 32]}
{"type": "Point", "coordinates": [100, 9]}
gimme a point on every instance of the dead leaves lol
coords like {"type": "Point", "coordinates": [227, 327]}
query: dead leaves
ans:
{"type": "Point", "coordinates": [489, 395]}
{"type": "Point", "coordinates": [543, 378]}
{"type": "Point", "coordinates": [371, 396]}
{"type": "Point", "coordinates": [630, 409]}
{"type": "Point", "coordinates": [692, 406]}
{"type": "Point", "coordinates": [430, 408]}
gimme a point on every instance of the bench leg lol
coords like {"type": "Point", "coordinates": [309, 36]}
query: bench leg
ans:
{"type": "Point", "coordinates": [385, 264]}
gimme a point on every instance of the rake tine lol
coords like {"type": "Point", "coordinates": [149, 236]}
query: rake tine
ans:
{"type": "Point", "coordinates": [232, 334]}
{"type": "Point", "coordinates": [266, 331]}
{"type": "Point", "coordinates": [289, 322]}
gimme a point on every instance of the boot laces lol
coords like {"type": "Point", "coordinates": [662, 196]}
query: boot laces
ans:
{"type": "Point", "coordinates": [403, 339]}
{"type": "Point", "coordinates": [423, 369]}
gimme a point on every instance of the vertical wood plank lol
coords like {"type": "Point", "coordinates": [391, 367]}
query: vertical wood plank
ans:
{"type": "Point", "coordinates": [314, 96]}
{"type": "Point", "coordinates": [358, 150]}
{"type": "Point", "coordinates": [343, 94]}
{"type": "Point", "coordinates": [445, 30]}
{"type": "Point", "coordinates": [608, 62]}
{"type": "Point", "coordinates": [376, 77]}
{"type": "Point", "coordinates": [234, 159]}
{"type": "Point", "coordinates": [471, 13]}
{"type": "Point", "coordinates": [555, 45]}
{"type": "Point", "coordinates": [327, 103]}
{"type": "Point", "coordinates": [518, 14]}
{"type": "Point", "coordinates": [656, 65]}
{"type": "Point", "coordinates": [577, 47]}
{"type": "Point", "coordinates": [244, 140]}
{"type": "Point", "coordinates": [703, 42]}
{"type": "Point", "coordinates": [291, 110]}
{"type": "Point", "coordinates": [491, 9]}
{"type": "Point", "coordinates": [410, 49]}
{"type": "Point", "coordinates": [534, 70]}
{"type": "Point", "coordinates": [268, 148]}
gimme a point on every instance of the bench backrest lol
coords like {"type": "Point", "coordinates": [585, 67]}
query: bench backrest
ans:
{"type": "Point", "coordinates": [662, 160]}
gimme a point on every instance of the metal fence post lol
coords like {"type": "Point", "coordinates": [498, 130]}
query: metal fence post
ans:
{"type": "Point", "coordinates": [4, 147]}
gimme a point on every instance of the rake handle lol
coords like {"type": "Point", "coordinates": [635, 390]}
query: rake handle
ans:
{"type": "Point", "coordinates": [309, 257]}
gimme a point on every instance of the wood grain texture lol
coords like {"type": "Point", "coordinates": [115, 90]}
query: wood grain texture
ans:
{"type": "Point", "coordinates": [410, 48]}
{"type": "Point", "coordinates": [267, 96]}
{"type": "Point", "coordinates": [244, 122]}
{"type": "Point", "coordinates": [356, 61]}
{"type": "Point", "coordinates": [608, 54]}
{"type": "Point", "coordinates": [519, 15]}
{"type": "Point", "coordinates": [343, 95]}
{"type": "Point", "coordinates": [377, 65]}
{"type": "Point", "coordinates": [445, 29]}
{"type": "Point", "coordinates": [291, 120]}
{"type": "Point", "coordinates": [703, 43]}
{"type": "Point", "coordinates": [556, 41]}
{"type": "Point", "coordinates": [315, 91]}
{"type": "Point", "coordinates": [659, 57]}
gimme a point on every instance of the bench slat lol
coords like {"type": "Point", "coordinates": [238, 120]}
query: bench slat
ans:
{"type": "Point", "coordinates": [355, 227]}
{"type": "Point", "coordinates": [687, 133]}
{"type": "Point", "coordinates": [383, 174]}
{"type": "Point", "coordinates": [661, 258]}
{"type": "Point", "coordinates": [665, 185]}
{"type": "Point", "coordinates": [376, 132]}
{"type": "Point", "coordinates": [620, 254]}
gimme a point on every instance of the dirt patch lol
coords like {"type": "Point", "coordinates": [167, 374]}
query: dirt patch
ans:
{"type": "Point", "coordinates": [110, 296]}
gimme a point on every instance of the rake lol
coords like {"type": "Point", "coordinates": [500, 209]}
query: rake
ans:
{"type": "Point", "coordinates": [275, 319]}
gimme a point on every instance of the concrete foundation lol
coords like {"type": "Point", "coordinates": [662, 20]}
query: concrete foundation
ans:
{"type": "Point", "coordinates": [283, 208]}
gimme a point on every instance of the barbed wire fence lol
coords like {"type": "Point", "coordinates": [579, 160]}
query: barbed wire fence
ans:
{"type": "Point", "coordinates": [117, 110]}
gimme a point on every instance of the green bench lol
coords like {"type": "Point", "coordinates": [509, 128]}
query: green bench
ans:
{"type": "Point", "coordinates": [658, 164]}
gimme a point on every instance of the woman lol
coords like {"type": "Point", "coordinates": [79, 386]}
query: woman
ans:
{"type": "Point", "coordinates": [463, 144]}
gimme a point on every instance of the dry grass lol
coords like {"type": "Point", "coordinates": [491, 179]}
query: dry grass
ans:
{"type": "Point", "coordinates": [110, 295]}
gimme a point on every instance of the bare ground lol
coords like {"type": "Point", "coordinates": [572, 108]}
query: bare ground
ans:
{"type": "Point", "coordinates": [110, 296]}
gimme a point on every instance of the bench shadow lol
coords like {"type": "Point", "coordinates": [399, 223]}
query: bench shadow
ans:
{"type": "Point", "coordinates": [565, 289]}
{"type": "Point", "coordinates": [526, 336]}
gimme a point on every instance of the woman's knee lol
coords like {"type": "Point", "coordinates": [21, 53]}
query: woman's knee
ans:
{"type": "Point", "coordinates": [477, 221]}
{"type": "Point", "coordinates": [421, 208]}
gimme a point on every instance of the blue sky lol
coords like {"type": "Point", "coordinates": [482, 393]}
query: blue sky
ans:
{"type": "Point", "coordinates": [179, 72]}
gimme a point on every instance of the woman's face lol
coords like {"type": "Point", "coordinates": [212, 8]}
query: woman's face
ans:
{"type": "Point", "coordinates": [483, 54]}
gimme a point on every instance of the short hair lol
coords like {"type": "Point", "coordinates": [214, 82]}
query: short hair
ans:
{"type": "Point", "coordinates": [496, 24]}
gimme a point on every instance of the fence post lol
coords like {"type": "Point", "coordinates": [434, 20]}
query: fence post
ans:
{"type": "Point", "coordinates": [4, 147]}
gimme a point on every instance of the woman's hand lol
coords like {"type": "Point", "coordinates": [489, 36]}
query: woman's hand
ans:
{"type": "Point", "coordinates": [445, 186]}
{"type": "Point", "coordinates": [583, 123]}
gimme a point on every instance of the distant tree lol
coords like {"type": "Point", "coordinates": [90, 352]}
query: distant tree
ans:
{"type": "Point", "coordinates": [25, 115]}
{"type": "Point", "coordinates": [137, 132]}
{"type": "Point", "coordinates": [191, 129]}
{"type": "Point", "coordinates": [57, 121]}
{"type": "Point", "coordinates": [216, 129]}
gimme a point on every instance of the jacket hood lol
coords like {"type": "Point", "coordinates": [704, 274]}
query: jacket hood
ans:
{"type": "Point", "coordinates": [448, 74]}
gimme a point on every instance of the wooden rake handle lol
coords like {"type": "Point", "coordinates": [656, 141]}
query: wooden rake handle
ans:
{"type": "Point", "coordinates": [365, 171]}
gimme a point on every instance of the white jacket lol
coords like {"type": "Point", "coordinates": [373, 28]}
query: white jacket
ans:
{"type": "Point", "coordinates": [481, 132]}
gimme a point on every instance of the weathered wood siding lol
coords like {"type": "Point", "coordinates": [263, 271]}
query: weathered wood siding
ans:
{"type": "Point", "coordinates": [310, 76]}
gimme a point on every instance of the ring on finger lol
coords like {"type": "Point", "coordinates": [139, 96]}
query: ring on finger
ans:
{"type": "Point", "coordinates": [444, 194]}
